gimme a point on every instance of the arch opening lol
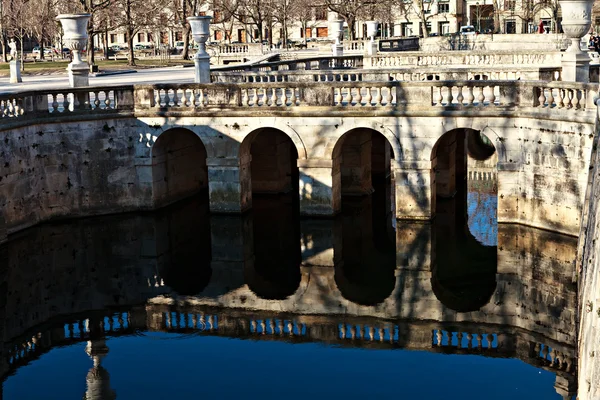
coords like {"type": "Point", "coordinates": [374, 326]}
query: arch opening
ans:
{"type": "Point", "coordinates": [464, 273]}
{"type": "Point", "coordinates": [362, 163]}
{"type": "Point", "coordinates": [274, 182]}
{"type": "Point", "coordinates": [178, 167]}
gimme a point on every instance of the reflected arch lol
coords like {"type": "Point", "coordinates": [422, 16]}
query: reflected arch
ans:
{"type": "Point", "coordinates": [179, 167]}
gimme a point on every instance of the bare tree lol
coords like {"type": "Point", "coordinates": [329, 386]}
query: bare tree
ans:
{"type": "Point", "coordinates": [44, 26]}
{"type": "Point", "coordinates": [224, 15]}
{"type": "Point", "coordinates": [134, 15]}
{"type": "Point", "coordinates": [255, 12]}
{"type": "Point", "coordinates": [18, 23]}
{"type": "Point", "coordinates": [353, 10]}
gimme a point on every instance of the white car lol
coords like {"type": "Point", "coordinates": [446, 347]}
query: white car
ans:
{"type": "Point", "coordinates": [467, 30]}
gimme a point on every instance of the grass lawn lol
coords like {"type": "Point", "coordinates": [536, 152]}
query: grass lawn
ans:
{"type": "Point", "coordinates": [48, 67]}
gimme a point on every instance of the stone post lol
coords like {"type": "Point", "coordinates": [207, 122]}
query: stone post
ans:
{"type": "Point", "coordinates": [15, 71]}
{"type": "Point", "coordinates": [98, 378]}
{"type": "Point", "coordinates": [337, 34]}
{"type": "Point", "coordinates": [576, 23]}
{"type": "Point", "coordinates": [371, 47]}
{"type": "Point", "coordinates": [75, 36]}
{"type": "Point", "coordinates": [200, 33]}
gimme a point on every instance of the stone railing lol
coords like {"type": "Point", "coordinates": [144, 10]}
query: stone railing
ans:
{"type": "Point", "coordinates": [66, 101]}
{"type": "Point", "coordinates": [354, 46]}
{"type": "Point", "coordinates": [242, 48]}
{"type": "Point", "coordinates": [400, 74]}
{"type": "Point", "coordinates": [465, 95]}
{"type": "Point", "coordinates": [398, 44]}
{"type": "Point", "coordinates": [464, 58]}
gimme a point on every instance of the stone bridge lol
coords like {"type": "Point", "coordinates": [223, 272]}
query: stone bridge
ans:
{"type": "Point", "coordinates": [90, 151]}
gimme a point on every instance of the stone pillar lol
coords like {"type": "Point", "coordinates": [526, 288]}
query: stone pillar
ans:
{"type": "Point", "coordinates": [356, 164]}
{"type": "Point", "coordinates": [200, 33]}
{"type": "Point", "coordinates": [75, 36]}
{"type": "Point", "coordinates": [576, 22]}
{"type": "Point", "coordinates": [15, 71]}
{"type": "Point", "coordinates": [566, 386]}
{"type": "Point", "coordinates": [509, 192]}
{"type": "Point", "coordinates": [98, 379]}
{"type": "Point", "coordinates": [415, 189]}
{"type": "Point", "coordinates": [232, 248]}
{"type": "Point", "coordinates": [229, 184]}
{"type": "Point", "coordinates": [320, 187]}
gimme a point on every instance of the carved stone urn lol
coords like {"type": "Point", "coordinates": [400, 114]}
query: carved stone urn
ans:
{"type": "Point", "coordinates": [201, 32]}
{"type": "Point", "coordinates": [75, 38]}
{"type": "Point", "coordinates": [372, 27]}
{"type": "Point", "coordinates": [576, 23]}
{"type": "Point", "coordinates": [336, 28]}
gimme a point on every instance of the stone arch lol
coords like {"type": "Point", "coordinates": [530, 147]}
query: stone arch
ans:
{"type": "Point", "coordinates": [285, 129]}
{"type": "Point", "coordinates": [358, 155]}
{"type": "Point", "coordinates": [270, 158]}
{"type": "Point", "coordinates": [179, 167]}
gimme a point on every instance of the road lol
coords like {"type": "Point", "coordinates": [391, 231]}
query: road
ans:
{"type": "Point", "coordinates": [154, 75]}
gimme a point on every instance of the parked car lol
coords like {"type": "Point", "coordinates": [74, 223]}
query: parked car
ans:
{"type": "Point", "coordinates": [467, 30]}
{"type": "Point", "coordinates": [37, 50]}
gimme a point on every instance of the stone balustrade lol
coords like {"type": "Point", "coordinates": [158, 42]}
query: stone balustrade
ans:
{"type": "Point", "coordinates": [468, 58]}
{"type": "Point", "coordinates": [304, 64]}
{"type": "Point", "coordinates": [357, 46]}
{"type": "Point", "coordinates": [474, 95]}
{"type": "Point", "coordinates": [65, 101]}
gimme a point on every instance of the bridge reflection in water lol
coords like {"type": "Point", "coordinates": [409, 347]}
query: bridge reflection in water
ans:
{"type": "Point", "coordinates": [361, 280]}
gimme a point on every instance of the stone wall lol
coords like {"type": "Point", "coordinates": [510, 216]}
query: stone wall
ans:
{"type": "Point", "coordinates": [588, 268]}
{"type": "Point", "coordinates": [69, 169]}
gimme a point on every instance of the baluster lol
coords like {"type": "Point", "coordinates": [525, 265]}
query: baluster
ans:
{"type": "Point", "coordinates": [210, 321]}
{"type": "Point", "coordinates": [438, 99]}
{"type": "Point", "coordinates": [450, 96]}
{"type": "Point", "coordinates": [290, 327]}
{"type": "Point", "coordinates": [481, 97]}
{"type": "Point", "coordinates": [54, 102]}
{"type": "Point", "coordinates": [490, 340]}
{"type": "Point", "coordinates": [470, 341]}
{"type": "Point", "coordinates": [369, 97]}
{"type": "Point", "coordinates": [561, 98]}
{"type": "Point", "coordinates": [343, 331]}
{"type": "Point", "coordinates": [460, 97]}
{"type": "Point", "coordinates": [381, 334]}
{"type": "Point", "coordinates": [542, 98]}
{"type": "Point", "coordinates": [470, 96]}
{"type": "Point", "coordinates": [550, 98]}
{"type": "Point", "coordinates": [194, 321]}
{"type": "Point", "coordinates": [107, 103]}
{"type": "Point", "coordinates": [578, 95]}
{"type": "Point", "coordinates": [545, 352]}
{"type": "Point", "coordinates": [96, 101]}
{"type": "Point", "coordinates": [479, 340]}
{"type": "Point", "coordinates": [168, 320]}
{"type": "Point", "coordinates": [352, 332]}
{"type": "Point", "coordinates": [263, 327]}
{"type": "Point", "coordinates": [280, 326]}
{"type": "Point", "coordinates": [255, 97]}
{"type": "Point", "coordinates": [388, 97]}
{"type": "Point", "coordinates": [253, 326]}
{"type": "Point", "coordinates": [71, 330]}
{"type": "Point", "coordinates": [459, 338]}
{"type": "Point", "coordinates": [284, 98]}
{"type": "Point", "coordinates": [552, 357]}
{"type": "Point", "coordinates": [272, 326]}
{"type": "Point", "coordinates": [439, 335]}
{"type": "Point", "coordinates": [111, 323]}
{"type": "Point", "coordinates": [379, 97]}
{"type": "Point", "coordinates": [65, 103]}
{"type": "Point", "coordinates": [81, 328]}
{"type": "Point", "coordinates": [492, 95]}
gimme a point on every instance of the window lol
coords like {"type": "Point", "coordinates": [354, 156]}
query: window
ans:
{"type": "Point", "coordinates": [141, 38]}
{"type": "Point", "coordinates": [443, 8]}
{"type": "Point", "coordinates": [113, 38]}
{"type": "Point", "coordinates": [509, 5]}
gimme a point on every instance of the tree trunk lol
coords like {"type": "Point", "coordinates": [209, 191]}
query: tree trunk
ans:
{"type": "Point", "coordinates": [186, 41]}
{"type": "Point", "coordinates": [351, 21]}
{"type": "Point", "coordinates": [130, 45]}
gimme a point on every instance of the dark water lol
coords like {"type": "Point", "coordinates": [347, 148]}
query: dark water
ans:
{"type": "Point", "coordinates": [183, 304]}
